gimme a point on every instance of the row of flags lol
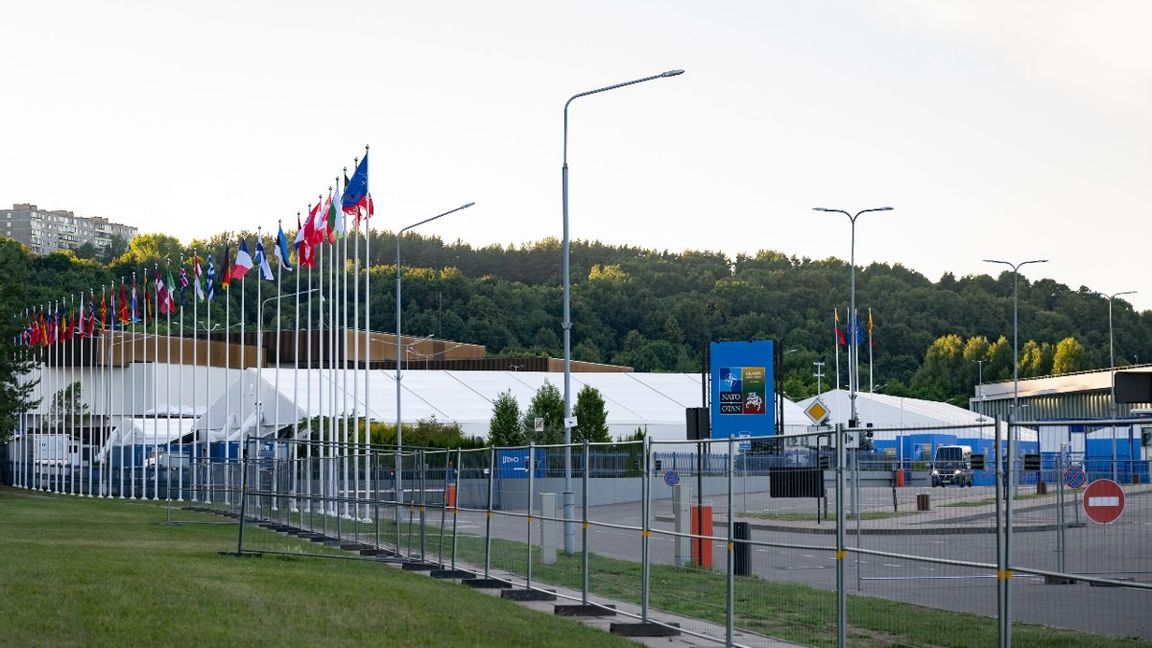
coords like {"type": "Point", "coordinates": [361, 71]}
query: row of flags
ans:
{"type": "Point", "coordinates": [326, 223]}
{"type": "Point", "coordinates": [842, 336]}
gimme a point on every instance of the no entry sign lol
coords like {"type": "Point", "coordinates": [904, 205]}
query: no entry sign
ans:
{"type": "Point", "coordinates": [1103, 501]}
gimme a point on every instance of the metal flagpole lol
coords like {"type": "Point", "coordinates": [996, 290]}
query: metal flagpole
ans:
{"type": "Point", "coordinates": [311, 436]}
{"type": "Point", "coordinates": [226, 433]}
{"type": "Point", "coordinates": [206, 420]}
{"type": "Point", "coordinates": [279, 273]}
{"type": "Point", "coordinates": [296, 377]}
{"type": "Point", "coordinates": [322, 447]}
{"type": "Point", "coordinates": [356, 353]}
{"type": "Point", "coordinates": [180, 390]}
{"type": "Point", "coordinates": [836, 343]}
{"type": "Point", "coordinates": [367, 301]}
{"type": "Point", "coordinates": [243, 366]}
{"type": "Point", "coordinates": [870, 383]}
{"type": "Point", "coordinates": [144, 396]}
{"type": "Point", "coordinates": [342, 229]}
{"type": "Point", "coordinates": [125, 385]}
{"type": "Point", "coordinates": [70, 482]}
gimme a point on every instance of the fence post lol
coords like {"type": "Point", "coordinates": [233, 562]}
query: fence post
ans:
{"type": "Point", "coordinates": [531, 507]}
{"type": "Point", "coordinates": [841, 592]}
{"type": "Point", "coordinates": [730, 589]}
{"type": "Point", "coordinates": [645, 565]}
{"type": "Point", "coordinates": [456, 506]}
{"type": "Point", "coordinates": [488, 513]}
{"type": "Point", "coordinates": [1013, 481]}
{"type": "Point", "coordinates": [444, 505]}
{"type": "Point", "coordinates": [1001, 491]}
{"type": "Point", "coordinates": [584, 527]}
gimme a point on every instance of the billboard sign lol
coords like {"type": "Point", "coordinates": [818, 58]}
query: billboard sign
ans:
{"type": "Point", "coordinates": [743, 389]}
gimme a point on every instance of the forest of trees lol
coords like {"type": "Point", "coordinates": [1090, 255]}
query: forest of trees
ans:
{"type": "Point", "coordinates": [657, 310]}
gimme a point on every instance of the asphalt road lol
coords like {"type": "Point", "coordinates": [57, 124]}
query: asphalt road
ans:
{"type": "Point", "coordinates": [1119, 551]}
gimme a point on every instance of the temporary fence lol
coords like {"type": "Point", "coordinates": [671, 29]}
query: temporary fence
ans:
{"type": "Point", "coordinates": [802, 539]}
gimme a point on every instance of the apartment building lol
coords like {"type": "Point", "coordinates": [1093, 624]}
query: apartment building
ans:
{"type": "Point", "coordinates": [46, 231]}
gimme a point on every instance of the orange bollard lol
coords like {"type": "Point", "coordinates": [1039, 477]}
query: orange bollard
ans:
{"type": "Point", "coordinates": [899, 477]}
{"type": "Point", "coordinates": [450, 497]}
{"type": "Point", "coordinates": [702, 548]}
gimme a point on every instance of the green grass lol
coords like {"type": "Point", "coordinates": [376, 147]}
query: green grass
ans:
{"type": "Point", "coordinates": [91, 572]}
{"type": "Point", "coordinates": [800, 516]}
{"type": "Point", "coordinates": [988, 500]}
{"type": "Point", "coordinates": [786, 611]}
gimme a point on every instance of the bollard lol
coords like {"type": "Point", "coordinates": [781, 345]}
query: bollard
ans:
{"type": "Point", "coordinates": [701, 520]}
{"type": "Point", "coordinates": [1041, 488]}
{"type": "Point", "coordinates": [741, 551]}
{"type": "Point", "coordinates": [922, 502]}
{"type": "Point", "coordinates": [899, 478]}
{"type": "Point", "coordinates": [450, 495]}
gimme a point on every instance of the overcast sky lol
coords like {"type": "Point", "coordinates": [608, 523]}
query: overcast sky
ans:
{"type": "Point", "coordinates": [997, 129]}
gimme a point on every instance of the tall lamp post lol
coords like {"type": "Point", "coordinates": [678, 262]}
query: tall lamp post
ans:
{"type": "Point", "coordinates": [1015, 329]}
{"type": "Point", "coordinates": [1112, 373]}
{"type": "Point", "coordinates": [569, 500]}
{"type": "Point", "coordinates": [853, 325]}
{"type": "Point", "coordinates": [399, 354]}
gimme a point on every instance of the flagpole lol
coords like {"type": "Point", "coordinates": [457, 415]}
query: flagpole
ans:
{"type": "Point", "coordinates": [243, 368]}
{"type": "Point", "coordinates": [356, 353]}
{"type": "Point", "coordinates": [870, 390]}
{"type": "Point", "coordinates": [367, 307]}
{"type": "Point", "coordinates": [322, 448]}
{"type": "Point", "coordinates": [295, 507]}
{"type": "Point", "coordinates": [333, 438]}
{"type": "Point", "coordinates": [168, 378]}
{"type": "Point", "coordinates": [210, 290]}
{"type": "Point", "coordinates": [105, 389]}
{"type": "Point", "coordinates": [279, 361]}
{"type": "Point", "coordinates": [342, 234]}
{"type": "Point", "coordinates": [68, 483]}
{"type": "Point", "coordinates": [155, 396]}
{"type": "Point", "coordinates": [311, 435]}
{"type": "Point", "coordinates": [227, 377]}
{"type": "Point", "coordinates": [257, 406]}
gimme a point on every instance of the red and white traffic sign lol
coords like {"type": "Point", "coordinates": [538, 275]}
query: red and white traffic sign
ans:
{"type": "Point", "coordinates": [1103, 501]}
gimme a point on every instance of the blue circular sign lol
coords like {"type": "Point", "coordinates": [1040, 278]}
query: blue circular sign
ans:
{"type": "Point", "coordinates": [671, 478]}
{"type": "Point", "coordinates": [1074, 477]}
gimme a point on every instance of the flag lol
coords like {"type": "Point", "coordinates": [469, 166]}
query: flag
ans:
{"type": "Point", "coordinates": [355, 199]}
{"type": "Point", "coordinates": [183, 281]}
{"type": "Point", "coordinates": [303, 248]}
{"type": "Point", "coordinates": [134, 301]}
{"type": "Point", "coordinates": [211, 276]}
{"type": "Point", "coordinates": [282, 250]}
{"type": "Point", "coordinates": [336, 215]}
{"type": "Point", "coordinates": [840, 339]}
{"type": "Point", "coordinates": [198, 281]}
{"type": "Point", "coordinates": [80, 323]}
{"type": "Point", "coordinates": [148, 312]}
{"type": "Point", "coordinates": [859, 332]}
{"type": "Point", "coordinates": [225, 270]}
{"type": "Point", "coordinates": [261, 262]}
{"type": "Point", "coordinates": [92, 315]}
{"type": "Point", "coordinates": [103, 311]}
{"type": "Point", "coordinates": [313, 230]}
{"type": "Point", "coordinates": [328, 215]}
{"type": "Point", "coordinates": [870, 327]}
{"type": "Point", "coordinates": [123, 314]}
{"type": "Point", "coordinates": [243, 262]}
{"type": "Point", "coordinates": [161, 294]}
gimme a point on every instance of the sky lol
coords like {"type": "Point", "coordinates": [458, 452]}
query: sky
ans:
{"type": "Point", "coordinates": [1007, 130]}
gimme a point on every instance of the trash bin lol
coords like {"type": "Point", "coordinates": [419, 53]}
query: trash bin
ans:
{"type": "Point", "coordinates": [922, 502]}
{"type": "Point", "coordinates": [741, 550]}
{"type": "Point", "coordinates": [1041, 488]}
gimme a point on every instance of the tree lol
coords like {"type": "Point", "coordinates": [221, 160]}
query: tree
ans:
{"type": "Point", "coordinates": [591, 417]}
{"type": "Point", "coordinates": [547, 404]}
{"type": "Point", "coordinates": [505, 428]}
{"type": "Point", "coordinates": [1068, 357]}
{"type": "Point", "coordinates": [16, 364]}
{"type": "Point", "coordinates": [65, 403]}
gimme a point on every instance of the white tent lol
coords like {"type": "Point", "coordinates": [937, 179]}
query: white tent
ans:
{"type": "Point", "coordinates": [893, 416]}
{"type": "Point", "coordinates": [651, 402]}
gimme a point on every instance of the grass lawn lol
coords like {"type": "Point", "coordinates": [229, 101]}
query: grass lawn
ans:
{"type": "Point", "coordinates": [78, 571]}
{"type": "Point", "coordinates": [786, 611]}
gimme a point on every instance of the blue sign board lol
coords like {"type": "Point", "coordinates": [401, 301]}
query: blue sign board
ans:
{"type": "Point", "coordinates": [743, 389]}
{"type": "Point", "coordinates": [671, 478]}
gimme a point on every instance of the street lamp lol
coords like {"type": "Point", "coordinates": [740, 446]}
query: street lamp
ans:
{"type": "Point", "coordinates": [1016, 329]}
{"type": "Point", "coordinates": [399, 353]}
{"type": "Point", "coordinates": [569, 502]}
{"type": "Point", "coordinates": [853, 325]}
{"type": "Point", "coordinates": [1112, 373]}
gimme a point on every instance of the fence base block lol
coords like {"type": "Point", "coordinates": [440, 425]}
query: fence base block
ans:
{"type": "Point", "coordinates": [355, 546]}
{"type": "Point", "coordinates": [527, 595]}
{"type": "Point", "coordinates": [487, 583]}
{"type": "Point", "coordinates": [1059, 580]}
{"type": "Point", "coordinates": [583, 610]}
{"type": "Point", "coordinates": [644, 630]}
{"type": "Point", "coordinates": [460, 574]}
{"type": "Point", "coordinates": [415, 566]}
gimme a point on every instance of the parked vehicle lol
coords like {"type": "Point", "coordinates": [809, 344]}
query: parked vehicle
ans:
{"type": "Point", "coordinates": [952, 465]}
